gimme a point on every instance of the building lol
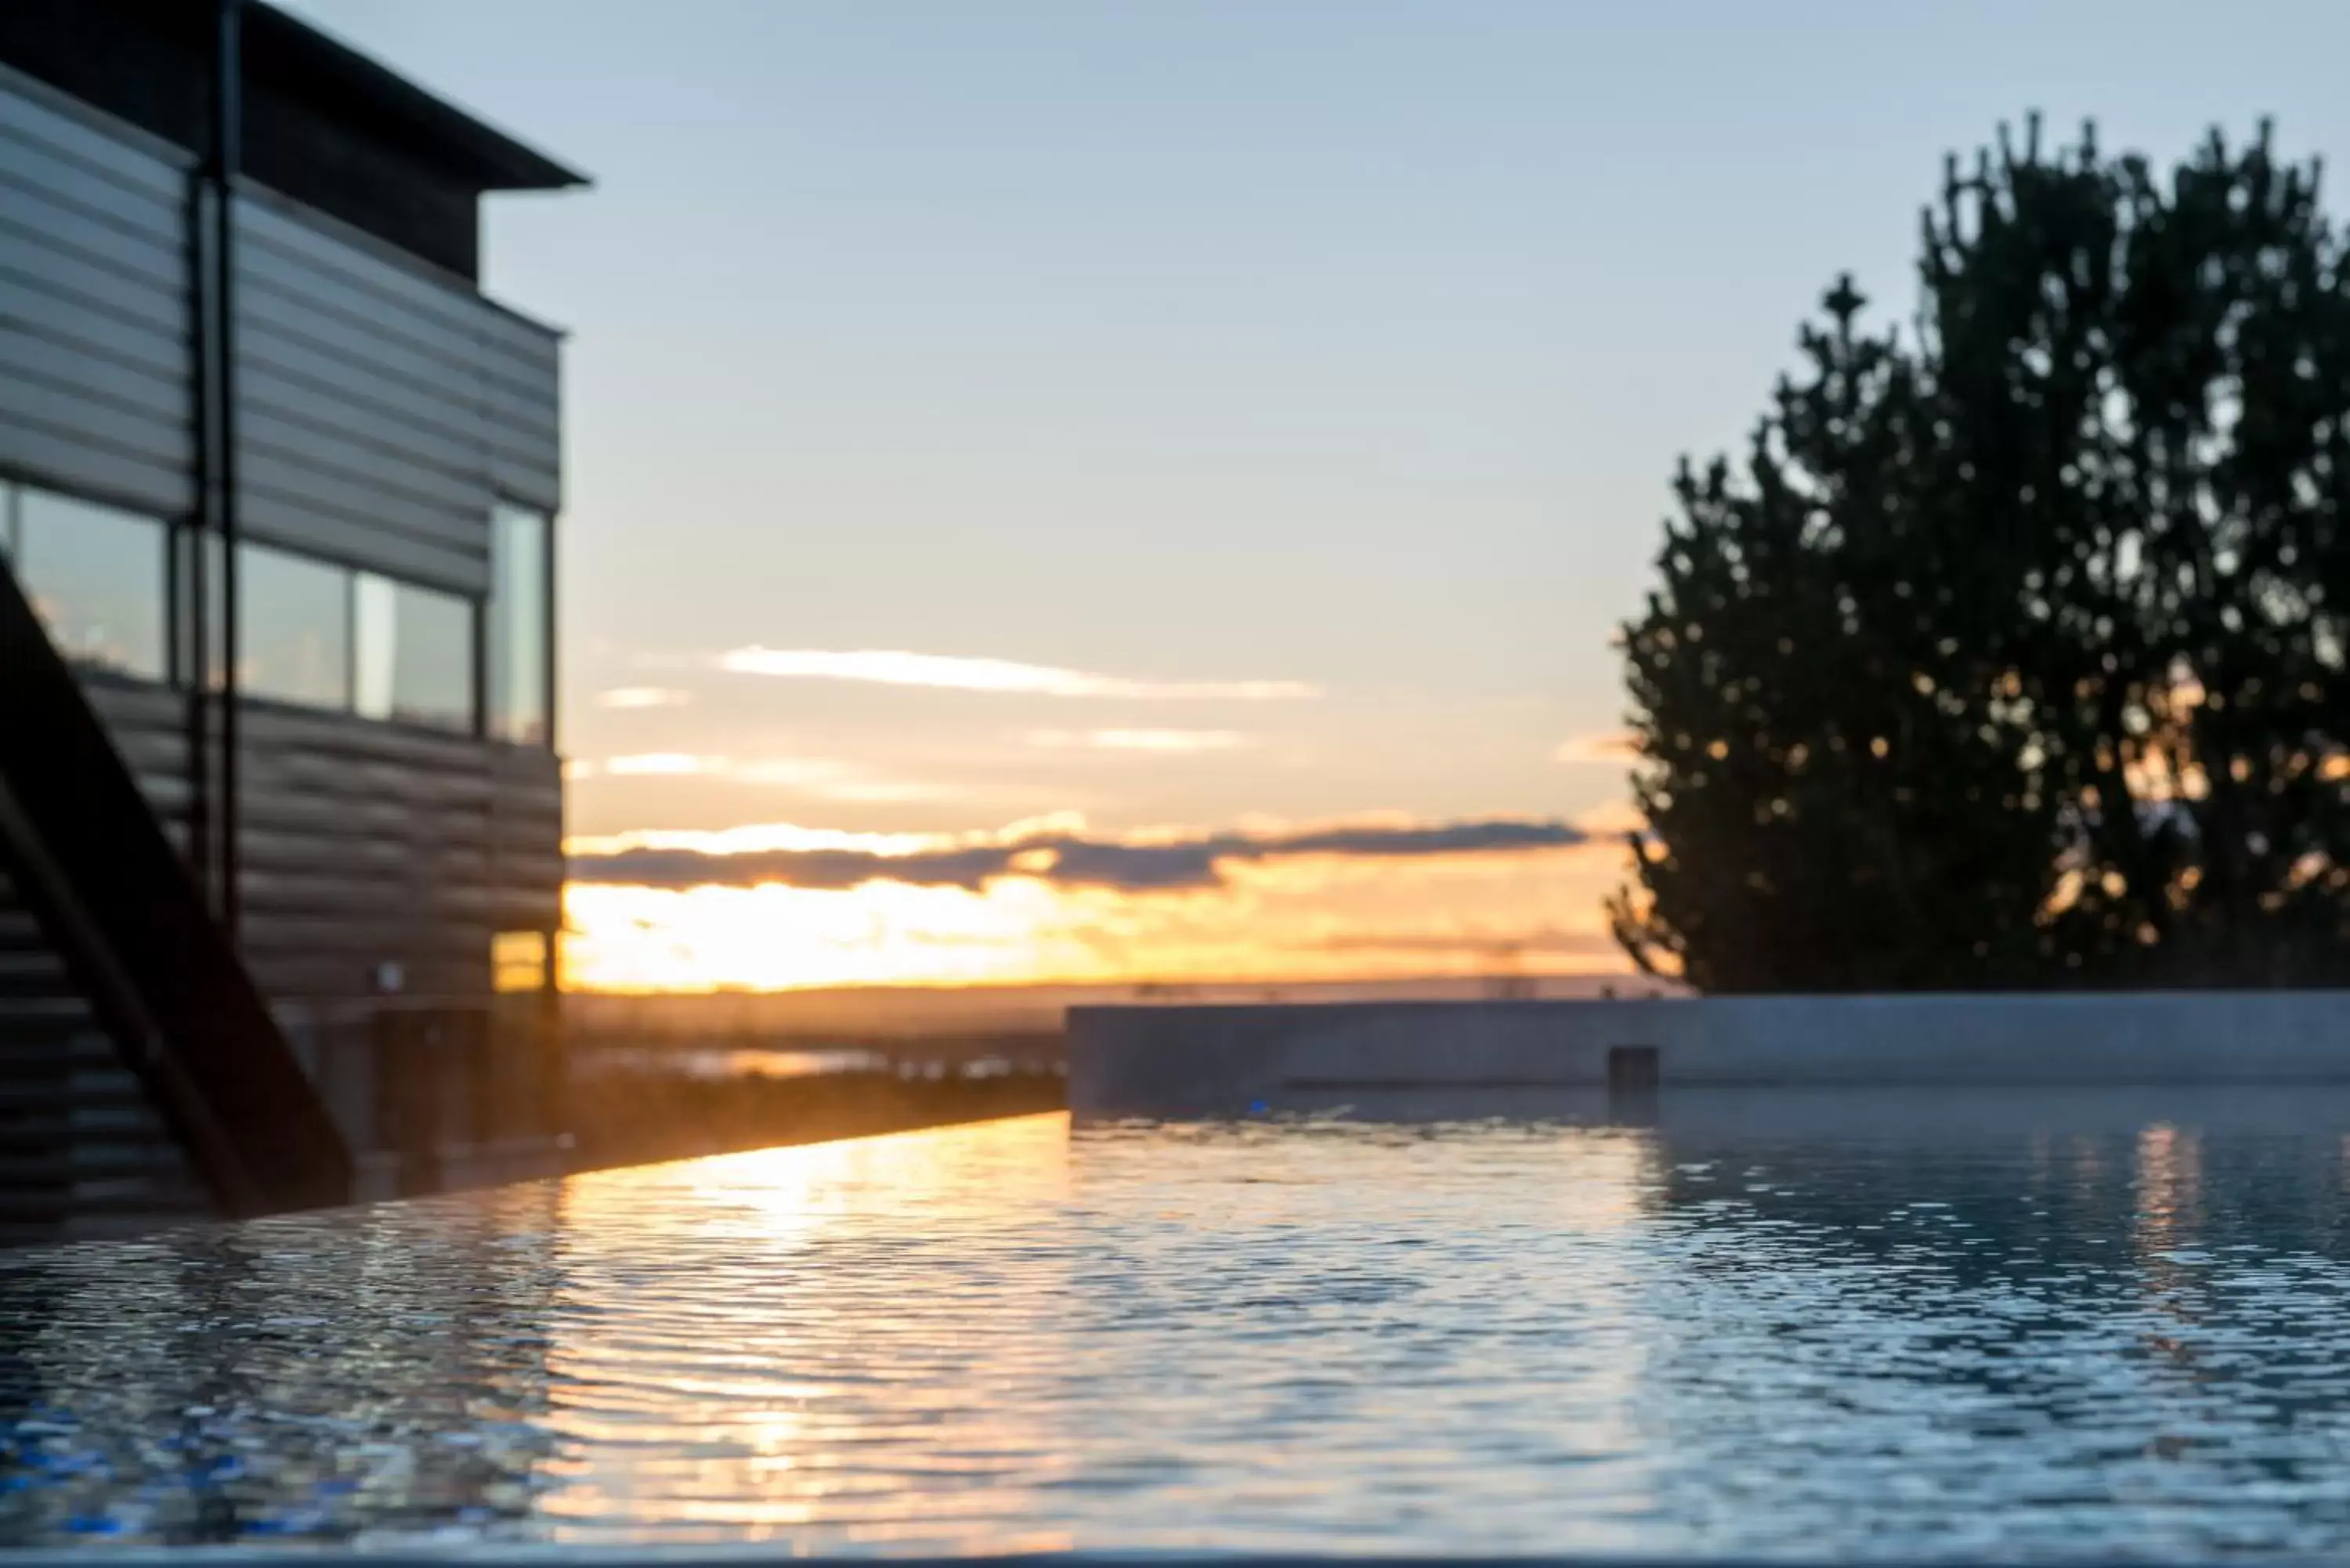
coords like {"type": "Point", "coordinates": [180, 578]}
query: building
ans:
{"type": "Point", "coordinates": [280, 811]}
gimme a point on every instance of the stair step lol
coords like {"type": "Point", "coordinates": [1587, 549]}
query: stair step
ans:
{"type": "Point", "coordinates": [29, 960]}
{"type": "Point", "coordinates": [42, 1007]}
{"type": "Point", "coordinates": [120, 1217]}
{"type": "Point", "coordinates": [98, 1080]}
{"type": "Point", "coordinates": [49, 1118]}
{"type": "Point", "coordinates": [169, 1185]}
{"type": "Point", "coordinates": [78, 1049]}
{"type": "Point", "coordinates": [80, 1165]}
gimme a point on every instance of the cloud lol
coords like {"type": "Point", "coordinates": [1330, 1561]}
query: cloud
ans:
{"type": "Point", "coordinates": [1268, 920]}
{"type": "Point", "coordinates": [1613, 818]}
{"type": "Point", "coordinates": [1607, 746]}
{"type": "Point", "coordinates": [826, 778]}
{"type": "Point", "coordinates": [766, 836]}
{"type": "Point", "coordinates": [663, 764]}
{"type": "Point", "coordinates": [795, 773]}
{"type": "Point", "coordinates": [1067, 857]}
{"type": "Point", "coordinates": [1158, 740]}
{"type": "Point", "coordinates": [955, 673]}
{"type": "Point", "coordinates": [643, 697]}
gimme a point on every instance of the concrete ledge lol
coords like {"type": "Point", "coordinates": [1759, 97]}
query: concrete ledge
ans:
{"type": "Point", "coordinates": [1216, 1061]}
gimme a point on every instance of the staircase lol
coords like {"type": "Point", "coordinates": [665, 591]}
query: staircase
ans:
{"type": "Point", "coordinates": [143, 1077]}
{"type": "Point", "coordinates": [82, 1152]}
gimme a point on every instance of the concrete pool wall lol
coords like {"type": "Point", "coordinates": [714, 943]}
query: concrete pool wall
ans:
{"type": "Point", "coordinates": [1180, 1061]}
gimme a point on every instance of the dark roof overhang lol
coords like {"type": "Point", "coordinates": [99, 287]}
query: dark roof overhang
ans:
{"type": "Point", "coordinates": [303, 63]}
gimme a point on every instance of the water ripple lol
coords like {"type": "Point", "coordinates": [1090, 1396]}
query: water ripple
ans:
{"type": "Point", "coordinates": [2011, 1340]}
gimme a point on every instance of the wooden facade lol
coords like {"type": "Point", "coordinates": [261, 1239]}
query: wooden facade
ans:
{"type": "Point", "coordinates": [383, 413]}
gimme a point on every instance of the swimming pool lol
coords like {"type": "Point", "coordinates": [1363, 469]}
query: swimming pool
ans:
{"type": "Point", "coordinates": [1843, 1327]}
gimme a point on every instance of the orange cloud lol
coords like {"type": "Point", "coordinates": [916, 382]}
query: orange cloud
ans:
{"type": "Point", "coordinates": [1155, 741]}
{"type": "Point", "coordinates": [954, 672]}
{"type": "Point", "coordinates": [824, 778]}
{"type": "Point", "coordinates": [1607, 746]}
{"type": "Point", "coordinates": [1612, 819]}
{"type": "Point", "coordinates": [643, 697]}
{"type": "Point", "coordinates": [663, 764]}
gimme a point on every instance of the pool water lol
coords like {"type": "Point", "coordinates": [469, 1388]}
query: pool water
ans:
{"type": "Point", "coordinates": [1860, 1330]}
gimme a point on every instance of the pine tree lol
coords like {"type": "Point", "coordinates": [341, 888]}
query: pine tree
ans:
{"type": "Point", "coordinates": [2013, 653]}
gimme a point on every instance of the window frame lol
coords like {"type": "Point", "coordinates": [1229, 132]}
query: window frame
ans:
{"type": "Point", "coordinates": [180, 535]}
{"type": "Point", "coordinates": [347, 706]}
{"type": "Point", "coordinates": [346, 702]}
{"type": "Point", "coordinates": [394, 587]}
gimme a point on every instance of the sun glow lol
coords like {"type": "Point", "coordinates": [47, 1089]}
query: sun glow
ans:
{"type": "Point", "coordinates": [1321, 917]}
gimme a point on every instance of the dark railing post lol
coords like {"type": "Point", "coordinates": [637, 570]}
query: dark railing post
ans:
{"type": "Point", "coordinates": [190, 570]}
{"type": "Point", "coordinates": [221, 488]}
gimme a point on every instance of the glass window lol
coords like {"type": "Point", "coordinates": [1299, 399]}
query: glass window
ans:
{"type": "Point", "coordinates": [521, 626]}
{"type": "Point", "coordinates": [96, 577]}
{"type": "Point", "coordinates": [293, 627]}
{"type": "Point", "coordinates": [519, 961]}
{"type": "Point", "coordinates": [432, 679]}
{"type": "Point", "coordinates": [415, 654]}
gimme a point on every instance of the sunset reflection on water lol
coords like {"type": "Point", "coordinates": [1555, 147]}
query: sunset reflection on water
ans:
{"type": "Point", "coordinates": [1771, 1331]}
{"type": "Point", "coordinates": [807, 1375]}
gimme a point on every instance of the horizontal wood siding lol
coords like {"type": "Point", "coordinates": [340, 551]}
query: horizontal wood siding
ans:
{"type": "Point", "coordinates": [363, 843]}
{"type": "Point", "coordinates": [383, 410]}
{"type": "Point", "coordinates": [367, 844]}
{"type": "Point", "coordinates": [383, 407]}
{"type": "Point", "coordinates": [523, 377]}
{"type": "Point", "coordinates": [97, 384]}
{"type": "Point", "coordinates": [526, 839]}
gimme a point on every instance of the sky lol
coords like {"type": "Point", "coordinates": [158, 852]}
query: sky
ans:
{"type": "Point", "coordinates": [1074, 426]}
